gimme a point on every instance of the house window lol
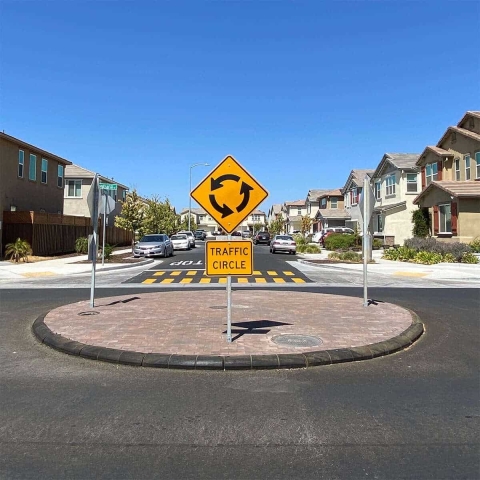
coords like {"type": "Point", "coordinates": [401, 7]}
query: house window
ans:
{"type": "Point", "coordinates": [431, 172]}
{"type": "Point", "coordinates": [299, 211]}
{"type": "Point", "coordinates": [124, 195]}
{"type": "Point", "coordinates": [309, 207]}
{"type": "Point", "coordinates": [60, 176]}
{"type": "Point", "coordinates": [324, 203]}
{"type": "Point", "coordinates": [467, 167]}
{"type": "Point", "coordinates": [457, 169]}
{"type": "Point", "coordinates": [32, 168]}
{"type": "Point", "coordinates": [390, 185]}
{"type": "Point", "coordinates": [354, 196]}
{"type": "Point", "coordinates": [201, 218]}
{"type": "Point", "coordinates": [378, 190]}
{"type": "Point", "coordinates": [445, 218]}
{"type": "Point", "coordinates": [255, 218]}
{"type": "Point", "coordinates": [477, 161]}
{"type": "Point", "coordinates": [74, 188]}
{"type": "Point", "coordinates": [379, 225]}
{"type": "Point", "coordinates": [334, 203]}
{"type": "Point", "coordinates": [21, 163]}
{"type": "Point", "coordinates": [44, 170]}
{"type": "Point", "coordinates": [412, 182]}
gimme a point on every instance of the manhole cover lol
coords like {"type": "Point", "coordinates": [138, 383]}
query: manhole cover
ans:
{"type": "Point", "coordinates": [89, 313]}
{"type": "Point", "coordinates": [297, 340]}
{"type": "Point", "coordinates": [218, 307]}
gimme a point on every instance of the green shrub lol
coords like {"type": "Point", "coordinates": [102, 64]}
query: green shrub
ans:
{"type": "Point", "coordinates": [81, 245]}
{"type": "Point", "coordinates": [339, 241]}
{"type": "Point", "coordinates": [351, 257]}
{"type": "Point", "coordinates": [405, 254]}
{"type": "Point", "coordinates": [391, 254]}
{"type": "Point", "coordinates": [469, 257]}
{"type": "Point", "coordinates": [300, 240]}
{"type": "Point", "coordinates": [308, 249]}
{"type": "Point", "coordinates": [420, 220]}
{"type": "Point", "coordinates": [18, 250]}
{"type": "Point", "coordinates": [108, 251]}
{"type": "Point", "coordinates": [333, 255]}
{"type": "Point", "coordinates": [428, 258]}
{"type": "Point", "coordinates": [377, 244]}
{"type": "Point", "coordinates": [457, 249]}
{"type": "Point", "coordinates": [475, 245]}
{"type": "Point", "coordinates": [449, 258]}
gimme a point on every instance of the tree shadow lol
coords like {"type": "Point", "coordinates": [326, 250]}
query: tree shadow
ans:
{"type": "Point", "coordinates": [254, 327]}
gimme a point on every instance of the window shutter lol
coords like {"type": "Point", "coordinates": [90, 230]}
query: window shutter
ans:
{"type": "Point", "coordinates": [435, 220]}
{"type": "Point", "coordinates": [454, 213]}
{"type": "Point", "coordinates": [424, 179]}
{"type": "Point", "coordinates": [439, 170]}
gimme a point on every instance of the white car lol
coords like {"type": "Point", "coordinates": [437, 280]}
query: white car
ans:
{"type": "Point", "coordinates": [190, 236]}
{"type": "Point", "coordinates": [180, 241]}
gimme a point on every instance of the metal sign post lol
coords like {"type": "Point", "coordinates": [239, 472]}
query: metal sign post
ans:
{"type": "Point", "coordinates": [104, 224]}
{"type": "Point", "coordinates": [229, 303]}
{"type": "Point", "coordinates": [92, 200]}
{"type": "Point", "coordinates": [367, 205]}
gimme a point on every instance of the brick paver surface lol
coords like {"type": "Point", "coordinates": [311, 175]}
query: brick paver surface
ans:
{"type": "Point", "coordinates": [195, 323]}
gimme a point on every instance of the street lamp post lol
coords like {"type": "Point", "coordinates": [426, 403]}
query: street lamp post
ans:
{"type": "Point", "coordinates": [190, 191]}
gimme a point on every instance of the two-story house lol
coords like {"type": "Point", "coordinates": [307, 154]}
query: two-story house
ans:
{"type": "Point", "coordinates": [331, 212]}
{"type": "Point", "coordinates": [293, 211]}
{"type": "Point", "coordinates": [274, 212]}
{"type": "Point", "coordinates": [78, 181]}
{"type": "Point", "coordinates": [396, 183]}
{"type": "Point", "coordinates": [31, 179]}
{"type": "Point", "coordinates": [450, 176]}
{"type": "Point", "coordinates": [351, 192]}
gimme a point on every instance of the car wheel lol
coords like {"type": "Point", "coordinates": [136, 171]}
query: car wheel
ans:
{"type": "Point", "coordinates": [165, 253]}
{"type": "Point", "coordinates": [272, 250]}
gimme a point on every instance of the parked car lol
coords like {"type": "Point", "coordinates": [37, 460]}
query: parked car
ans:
{"type": "Point", "coordinates": [283, 243]}
{"type": "Point", "coordinates": [153, 245]}
{"type": "Point", "coordinates": [180, 242]}
{"type": "Point", "coordinates": [262, 237]}
{"type": "Point", "coordinates": [190, 236]}
{"type": "Point", "coordinates": [236, 234]}
{"type": "Point", "coordinates": [200, 235]}
{"type": "Point", "coordinates": [246, 234]}
{"type": "Point", "coordinates": [328, 231]}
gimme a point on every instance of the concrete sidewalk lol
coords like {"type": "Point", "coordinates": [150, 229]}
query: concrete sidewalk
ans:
{"type": "Point", "coordinates": [439, 271]}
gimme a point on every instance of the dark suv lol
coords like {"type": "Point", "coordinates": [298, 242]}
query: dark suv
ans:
{"type": "Point", "coordinates": [262, 237]}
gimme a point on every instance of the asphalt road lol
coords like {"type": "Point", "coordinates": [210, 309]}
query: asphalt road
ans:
{"type": "Point", "coordinates": [412, 415]}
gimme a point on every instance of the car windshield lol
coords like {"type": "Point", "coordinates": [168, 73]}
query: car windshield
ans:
{"type": "Point", "coordinates": [151, 238]}
{"type": "Point", "coordinates": [178, 237]}
{"type": "Point", "coordinates": [284, 237]}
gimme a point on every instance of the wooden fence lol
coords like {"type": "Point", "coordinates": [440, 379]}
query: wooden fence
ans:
{"type": "Point", "coordinates": [55, 234]}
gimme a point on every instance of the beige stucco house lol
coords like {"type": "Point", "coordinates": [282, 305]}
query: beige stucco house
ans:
{"type": "Point", "coordinates": [450, 176]}
{"type": "Point", "coordinates": [31, 179]}
{"type": "Point", "coordinates": [396, 183]}
{"type": "Point", "coordinates": [78, 181]}
{"type": "Point", "coordinates": [351, 195]}
{"type": "Point", "coordinates": [331, 212]}
{"type": "Point", "coordinates": [293, 211]}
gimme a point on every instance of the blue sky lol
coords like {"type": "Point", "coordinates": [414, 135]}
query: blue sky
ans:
{"type": "Point", "coordinates": [299, 93]}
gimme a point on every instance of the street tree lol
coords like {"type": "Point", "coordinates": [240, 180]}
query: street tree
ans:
{"type": "Point", "coordinates": [306, 224]}
{"type": "Point", "coordinates": [183, 224]}
{"type": "Point", "coordinates": [159, 216]}
{"type": "Point", "coordinates": [276, 226]}
{"type": "Point", "coordinates": [257, 227]}
{"type": "Point", "coordinates": [132, 214]}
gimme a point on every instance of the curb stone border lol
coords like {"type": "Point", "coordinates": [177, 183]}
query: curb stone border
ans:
{"type": "Point", "coordinates": [229, 362]}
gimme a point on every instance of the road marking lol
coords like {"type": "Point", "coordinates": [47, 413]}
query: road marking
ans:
{"type": "Point", "coordinates": [298, 280]}
{"type": "Point", "coordinates": [222, 280]}
{"type": "Point", "coordinates": [205, 280]}
{"type": "Point", "coordinates": [186, 280]}
{"type": "Point", "coordinates": [257, 272]}
{"type": "Point", "coordinates": [175, 273]}
{"type": "Point", "coordinates": [167, 280]}
{"type": "Point", "coordinates": [410, 274]}
{"type": "Point", "coordinates": [290, 274]}
{"type": "Point", "coordinates": [192, 272]}
{"type": "Point", "coordinates": [157, 274]}
{"type": "Point", "coordinates": [271, 272]}
{"type": "Point", "coordinates": [242, 280]}
{"type": "Point", "coordinates": [260, 280]}
{"type": "Point", "coordinates": [279, 280]}
{"type": "Point", "coordinates": [150, 280]}
{"type": "Point", "coordinates": [38, 274]}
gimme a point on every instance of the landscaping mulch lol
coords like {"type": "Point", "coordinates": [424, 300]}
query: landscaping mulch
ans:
{"type": "Point", "coordinates": [122, 258]}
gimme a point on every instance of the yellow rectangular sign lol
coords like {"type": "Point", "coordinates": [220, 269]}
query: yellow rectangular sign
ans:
{"type": "Point", "coordinates": [229, 257]}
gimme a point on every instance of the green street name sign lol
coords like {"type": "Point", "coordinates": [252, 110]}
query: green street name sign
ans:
{"type": "Point", "coordinates": [108, 186]}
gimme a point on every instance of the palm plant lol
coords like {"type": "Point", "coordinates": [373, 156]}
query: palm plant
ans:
{"type": "Point", "coordinates": [18, 249]}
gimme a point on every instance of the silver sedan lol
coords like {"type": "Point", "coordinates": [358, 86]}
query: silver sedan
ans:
{"type": "Point", "coordinates": [283, 243]}
{"type": "Point", "coordinates": [153, 245]}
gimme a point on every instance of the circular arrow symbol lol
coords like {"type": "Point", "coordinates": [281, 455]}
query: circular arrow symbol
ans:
{"type": "Point", "coordinates": [245, 191]}
{"type": "Point", "coordinates": [225, 210]}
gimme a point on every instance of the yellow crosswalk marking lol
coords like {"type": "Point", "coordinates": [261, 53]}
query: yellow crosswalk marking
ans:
{"type": "Point", "coordinates": [271, 272]}
{"type": "Point", "coordinates": [150, 280]}
{"type": "Point", "coordinates": [158, 274]}
{"type": "Point", "coordinates": [242, 280]}
{"type": "Point", "coordinates": [279, 280]}
{"type": "Point", "coordinates": [290, 274]}
{"type": "Point", "coordinates": [205, 280]}
{"type": "Point", "coordinates": [186, 280]}
{"type": "Point", "coordinates": [260, 280]}
{"type": "Point", "coordinates": [222, 280]}
{"type": "Point", "coordinates": [167, 280]}
{"type": "Point", "coordinates": [298, 280]}
{"type": "Point", "coordinates": [175, 274]}
{"type": "Point", "coordinates": [257, 272]}
{"type": "Point", "coordinates": [192, 272]}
